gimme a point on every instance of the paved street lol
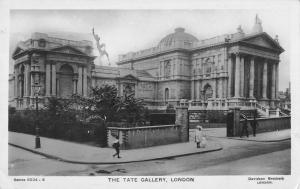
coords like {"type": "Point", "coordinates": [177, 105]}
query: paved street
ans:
{"type": "Point", "coordinates": [22, 162]}
{"type": "Point", "coordinates": [276, 163]}
{"type": "Point", "coordinates": [237, 157]}
{"type": "Point", "coordinates": [232, 151]}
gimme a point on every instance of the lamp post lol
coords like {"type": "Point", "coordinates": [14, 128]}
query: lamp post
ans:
{"type": "Point", "coordinates": [36, 89]}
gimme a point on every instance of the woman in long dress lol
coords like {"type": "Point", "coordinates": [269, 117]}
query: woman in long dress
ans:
{"type": "Point", "coordinates": [198, 135]}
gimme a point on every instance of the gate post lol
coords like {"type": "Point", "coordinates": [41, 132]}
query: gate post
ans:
{"type": "Point", "coordinates": [236, 120]}
{"type": "Point", "coordinates": [182, 120]}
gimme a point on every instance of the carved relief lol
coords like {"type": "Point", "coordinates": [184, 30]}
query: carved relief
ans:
{"type": "Point", "coordinates": [167, 68]}
{"type": "Point", "coordinates": [128, 89]}
{"type": "Point", "coordinates": [105, 82]}
{"type": "Point", "coordinates": [146, 86]}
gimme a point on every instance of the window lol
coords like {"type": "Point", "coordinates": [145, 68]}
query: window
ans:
{"type": "Point", "coordinates": [42, 43]}
{"type": "Point", "coordinates": [208, 69]}
{"type": "Point", "coordinates": [166, 95]}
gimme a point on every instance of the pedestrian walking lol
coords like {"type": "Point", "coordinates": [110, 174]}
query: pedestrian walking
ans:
{"type": "Point", "coordinates": [116, 146]}
{"type": "Point", "coordinates": [200, 137]}
{"type": "Point", "coordinates": [245, 126]}
{"type": "Point", "coordinates": [254, 123]}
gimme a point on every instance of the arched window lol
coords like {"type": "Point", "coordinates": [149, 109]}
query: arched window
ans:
{"type": "Point", "coordinates": [208, 92]}
{"type": "Point", "coordinates": [166, 95]}
{"type": "Point", "coordinates": [65, 81]}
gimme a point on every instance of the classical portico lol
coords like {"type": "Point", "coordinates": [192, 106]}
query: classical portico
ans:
{"type": "Point", "coordinates": [61, 67]}
{"type": "Point", "coordinates": [253, 77]}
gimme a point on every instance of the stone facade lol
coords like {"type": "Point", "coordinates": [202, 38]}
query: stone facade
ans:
{"type": "Point", "coordinates": [233, 68]}
{"type": "Point", "coordinates": [230, 68]}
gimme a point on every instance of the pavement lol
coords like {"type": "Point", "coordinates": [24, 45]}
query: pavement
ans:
{"type": "Point", "coordinates": [83, 154]}
{"type": "Point", "coordinates": [274, 136]}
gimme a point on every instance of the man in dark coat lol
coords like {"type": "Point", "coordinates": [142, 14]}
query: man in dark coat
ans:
{"type": "Point", "coordinates": [254, 123]}
{"type": "Point", "coordinates": [245, 126]}
{"type": "Point", "coordinates": [116, 146]}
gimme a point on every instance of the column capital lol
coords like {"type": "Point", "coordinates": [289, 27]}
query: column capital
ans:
{"type": "Point", "coordinates": [49, 62]}
{"type": "Point", "coordinates": [267, 60]}
{"type": "Point", "coordinates": [252, 57]}
{"type": "Point", "coordinates": [237, 53]}
{"type": "Point", "coordinates": [75, 77]}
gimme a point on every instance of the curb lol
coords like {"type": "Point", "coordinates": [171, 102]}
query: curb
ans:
{"type": "Point", "coordinates": [279, 140]}
{"type": "Point", "coordinates": [105, 163]}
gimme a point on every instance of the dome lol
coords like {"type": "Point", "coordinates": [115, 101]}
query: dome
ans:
{"type": "Point", "coordinates": [178, 36]}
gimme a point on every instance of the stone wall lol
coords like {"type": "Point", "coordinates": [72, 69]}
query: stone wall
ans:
{"type": "Point", "coordinates": [146, 90]}
{"type": "Point", "coordinates": [177, 90]}
{"type": "Point", "coordinates": [269, 124]}
{"type": "Point", "coordinates": [151, 65]}
{"type": "Point", "coordinates": [140, 137]}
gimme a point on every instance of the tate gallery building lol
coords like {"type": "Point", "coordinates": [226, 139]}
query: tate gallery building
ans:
{"type": "Point", "coordinates": [238, 69]}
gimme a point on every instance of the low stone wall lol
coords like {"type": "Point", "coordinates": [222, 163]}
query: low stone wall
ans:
{"type": "Point", "coordinates": [139, 137]}
{"type": "Point", "coordinates": [269, 124]}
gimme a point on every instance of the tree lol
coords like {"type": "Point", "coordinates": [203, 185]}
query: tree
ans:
{"type": "Point", "coordinates": [56, 108]}
{"type": "Point", "coordinates": [103, 103]}
{"type": "Point", "coordinates": [133, 109]}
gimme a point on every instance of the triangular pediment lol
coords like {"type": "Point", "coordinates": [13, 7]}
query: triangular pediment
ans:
{"type": "Point", "coordinates": [263, 40]}
{"type": "Point", "coordinates": [68, 49]}
{"type": "Point", "coordinates": [17, 51]}
{"type": "Point", "coordinates": [129, 77]}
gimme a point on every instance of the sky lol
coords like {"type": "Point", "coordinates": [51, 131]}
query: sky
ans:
{"type": "Point", "coordinates": [124, 31]}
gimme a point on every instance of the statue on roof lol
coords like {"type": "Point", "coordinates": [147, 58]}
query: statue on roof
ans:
{"type": "Point", "coordinates": [257, 20]}
{"type": "Point", "coordinates": [239, 29]}
{"type": "Point", "coordinates": [257, 28]}
{"type": "Point", "coordinates": [100, 46]}
{"type": "Point", "coordinates": [276, 38]}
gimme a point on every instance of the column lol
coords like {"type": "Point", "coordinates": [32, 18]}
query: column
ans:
{"type": "Point", "coordinates": [57, 87]}
{"type": "Point", "coordinates": [32, 83]}
{"type": "Point", "coordinates": [93, 82]}
{"type": "Point", "coordinates": [74, 86]}
{"type": "Point", "coordinates": [28, 86]}
{"type": "Point", "coordinates": [229, 80]}
{"type": "Point", "coordinates": [273, 81]}
{"type": "Point", "coordinates": [84, 81]}
{"type": "Point", "coordinates": [25, 79]}
{"type": "Point", "coordinates": [221, 85]}
{"type": "Point", "coordinates": [197, 90]}
{"type": "Point", "coordinates": [251, 83]}
{"type": "Point", "coordinates": [215, 89]}
{"type": "Point", "coordinates": [237, 76]}
{"type": "Point", "coordinates": [193, 89]}
{"type": "Point", "coordinates": [54, 79]}
{"type": "Point", "coordinates": [16, 83]}
{"type": "Point", "coordinates": [79, 83]}
{"type": "Point", "coordinates": [265, 76]}
{"type": "Point", "coordinates": [162, 69]}
{"type": "Point", "coordinates": [48, 79]}
{"type": "Point", "coordinates": [178, 67]}
{"type": "Point", "coordinates": [242, 68]}
{"type": "Point", "coordinates": [19, 86]}
{"type": "Point", "coordinates": [277, 81]}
